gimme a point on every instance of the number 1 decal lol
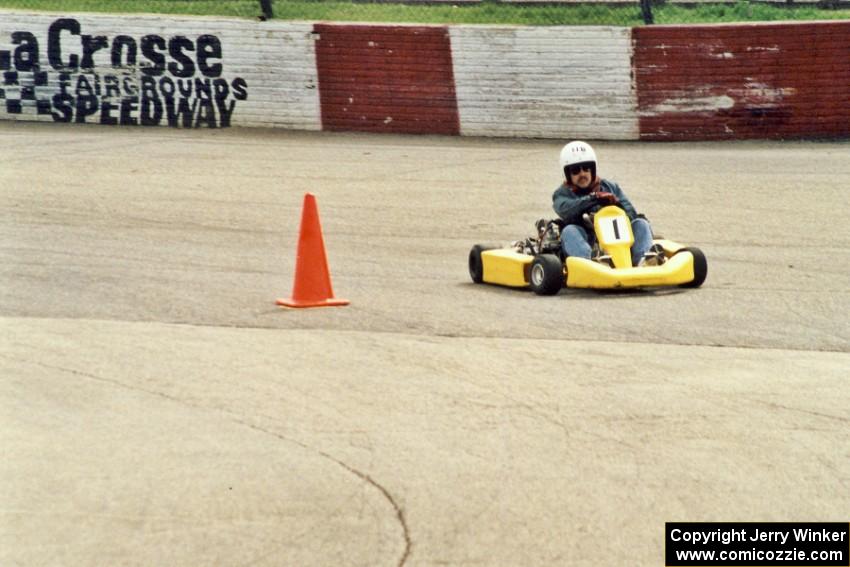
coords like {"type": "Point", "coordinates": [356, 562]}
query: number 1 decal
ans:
{"type": "Point", "coordinates": [613, 231]}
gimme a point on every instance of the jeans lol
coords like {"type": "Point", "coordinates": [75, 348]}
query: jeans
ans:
{"type": "Point", "coordinates": [575, 242]}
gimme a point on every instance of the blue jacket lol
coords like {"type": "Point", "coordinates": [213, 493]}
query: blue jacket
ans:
{"type": "Point", "coordinates": [570, 205]}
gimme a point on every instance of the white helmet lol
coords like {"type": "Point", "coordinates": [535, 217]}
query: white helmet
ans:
{"type": "Point", "coordinates": [577, 152]}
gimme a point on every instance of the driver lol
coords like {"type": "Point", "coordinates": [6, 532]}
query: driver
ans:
{"type": "Point", "coordinates": [585, 192]}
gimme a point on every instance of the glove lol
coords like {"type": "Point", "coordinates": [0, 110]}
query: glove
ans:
{"type": "Point", "coordinates": [605, 198]}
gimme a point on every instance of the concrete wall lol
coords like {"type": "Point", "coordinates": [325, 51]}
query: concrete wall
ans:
{"type": "Point", "coordinates": [386, 79]}
{"type": "Point", "coordinates": [563, 81]}
{"type": "Point", "coordinates": [785, 80]}
{"type": "Point", "coordinates": [148, 70]}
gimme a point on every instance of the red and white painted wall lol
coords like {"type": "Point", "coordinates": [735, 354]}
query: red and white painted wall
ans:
{"type": "Point", "coordinates": [788, 80]}
{"type": "Point", "coordinates": [785, 80]}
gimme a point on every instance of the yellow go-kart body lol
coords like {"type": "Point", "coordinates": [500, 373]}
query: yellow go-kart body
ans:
{"type": "Point", "coordinates": [682, 266]}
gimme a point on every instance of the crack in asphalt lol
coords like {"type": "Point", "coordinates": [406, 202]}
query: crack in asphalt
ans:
{"type": "Point", "coordinates": [408, 543]}
{"type": "Point", "coordinates": [774, 405]}
{"type": "Point", "coordinates": [426, 334]}
{"type": "Point", "coordinates": [399, 511]}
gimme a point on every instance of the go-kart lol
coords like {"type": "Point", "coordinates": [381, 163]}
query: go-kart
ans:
{"type": "Point", "coordinates": [539, 263]}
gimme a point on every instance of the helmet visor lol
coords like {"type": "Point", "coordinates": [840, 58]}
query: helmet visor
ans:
{"type": "Point", "coordinates": [577, 168]}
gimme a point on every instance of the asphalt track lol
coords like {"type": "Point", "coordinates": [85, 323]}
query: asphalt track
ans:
{"type": "Point", "coordinates": [159, 409]}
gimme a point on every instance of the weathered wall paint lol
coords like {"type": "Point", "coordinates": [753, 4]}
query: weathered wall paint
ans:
{"type": "Point", "coordinates": [157, 71]}
{"type": "Point", "coordinates": [788, 80]}
{"type": "Point", "coordinates": [552, 82]}
{"type": "Point", "coordinates": [386, 79]}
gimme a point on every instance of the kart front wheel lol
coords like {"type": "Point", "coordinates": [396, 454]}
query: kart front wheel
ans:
{"type": "Point", "coordinates": [546, 276]}
{"type": "Point", "coordinates": [476, 266]}
{"type": "Point", "coordinates": [700, 267]}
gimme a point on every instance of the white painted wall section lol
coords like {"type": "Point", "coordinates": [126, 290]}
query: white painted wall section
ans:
{"type": "Point", "coordinates": [268, 72]}
{"type": "Point", "coordinates": [553, 82]}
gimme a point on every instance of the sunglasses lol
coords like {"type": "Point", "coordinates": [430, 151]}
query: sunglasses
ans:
{"type": "Point", "coordinates": [575, 169]}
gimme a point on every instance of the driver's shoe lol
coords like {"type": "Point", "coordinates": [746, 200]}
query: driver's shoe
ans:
{"type": "Point", "coordinates": [654, 257]}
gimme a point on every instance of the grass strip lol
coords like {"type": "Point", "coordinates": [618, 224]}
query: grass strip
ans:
{"type": "Point", "coordinates": [239, 8]}
{"type": "Point", "coordinates": [486, 12]}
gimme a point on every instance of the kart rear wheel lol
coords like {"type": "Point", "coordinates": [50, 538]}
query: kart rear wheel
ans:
{"type": "Point", "coordinates": [700, 267]}
{"type": "Point", "coordinates": [546, 276]}
{"type": "Point", "coordinates": [476, 266]}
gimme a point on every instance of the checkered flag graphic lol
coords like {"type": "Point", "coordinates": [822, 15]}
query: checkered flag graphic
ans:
{"type": "Point", "coordinates": [25, 93]}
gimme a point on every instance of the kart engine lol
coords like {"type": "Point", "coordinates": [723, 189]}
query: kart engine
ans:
{"type": "Point", "coordinates": [547, 241]}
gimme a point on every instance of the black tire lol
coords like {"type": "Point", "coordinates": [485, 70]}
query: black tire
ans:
{"type": "Point", "coordinates": [700, 267]}
{"type": "Point", "coordinates": [476, 267]}
{"type": "Point", "coordinates": [546, 276]}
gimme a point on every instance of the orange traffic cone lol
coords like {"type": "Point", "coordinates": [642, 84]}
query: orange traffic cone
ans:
{"type": "Point", "coordinates": [312, 279]}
